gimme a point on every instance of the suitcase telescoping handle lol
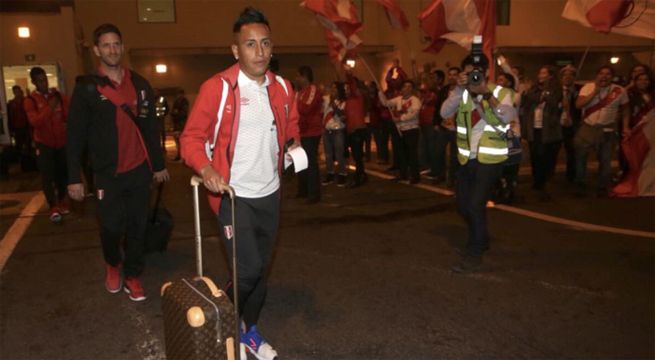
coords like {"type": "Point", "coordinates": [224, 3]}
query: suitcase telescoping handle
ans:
{"type": "Point", "coordinates": [195, 182]}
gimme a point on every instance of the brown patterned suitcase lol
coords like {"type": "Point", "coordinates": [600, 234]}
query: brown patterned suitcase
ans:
{"type": "Point", "coordinates": [200, 321]}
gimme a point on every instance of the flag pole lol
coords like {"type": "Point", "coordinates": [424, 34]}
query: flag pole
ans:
{"type": "Point", "coordinates": [379, 88]}
{"type": "Point", "coordinates": [369, 70]}
{"type": "Point", "coordinates": [584, 56]}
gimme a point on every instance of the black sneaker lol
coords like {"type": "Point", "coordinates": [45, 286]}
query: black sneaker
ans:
{"type": "Point", "coordinates": [467, 265]}
{"type": "Point", "coordinates": [329, 179]}
{"type": "Point", "coordinates": [341, 180]}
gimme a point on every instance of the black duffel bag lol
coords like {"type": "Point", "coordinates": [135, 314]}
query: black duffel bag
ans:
{"type": "Point", "coordinates": [160, 226]}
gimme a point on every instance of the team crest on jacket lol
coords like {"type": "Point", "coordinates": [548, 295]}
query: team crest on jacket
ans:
{"type": "Point", "coordinates": [228, 108]}
{"type": "Point", "coordinates": [229, 232]}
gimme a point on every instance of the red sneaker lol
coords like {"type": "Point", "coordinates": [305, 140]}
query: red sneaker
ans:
{"type": "Point", "coordinates": [55, 215]}
{"type": "Point", "coordinates": [64, 207]}
{"type": "Point", "coordinates": [113, 280]}
{"type": "Point", "coordinates": [134, 289]}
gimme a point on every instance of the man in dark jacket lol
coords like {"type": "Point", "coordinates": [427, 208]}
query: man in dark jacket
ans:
{"type": "Point", "coordinates": [126, 154]}
{"type": "Point", "coordinates": [540, 126]}
{"type": "Point", "coordinates": [570, 118]}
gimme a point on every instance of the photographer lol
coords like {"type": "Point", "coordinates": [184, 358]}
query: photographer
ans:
{"type": "Point", "coordinates": [482, 117]}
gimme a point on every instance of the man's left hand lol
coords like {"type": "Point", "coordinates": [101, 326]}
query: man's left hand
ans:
{"type": "Point", "coordinates": [161, 176]}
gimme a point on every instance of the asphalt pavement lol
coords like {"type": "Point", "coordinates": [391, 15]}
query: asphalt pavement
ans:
{"type": "Point", "coordinates": [364, 274]}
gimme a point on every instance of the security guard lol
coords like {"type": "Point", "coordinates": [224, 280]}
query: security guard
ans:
{"type": "Point", "coordinates": [483, 116]}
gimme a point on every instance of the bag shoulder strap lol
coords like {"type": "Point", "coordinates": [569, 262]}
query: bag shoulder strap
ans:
{"type": "Point", "coordinates": [114, 96]}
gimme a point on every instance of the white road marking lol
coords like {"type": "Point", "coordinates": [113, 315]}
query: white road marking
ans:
{"type": "Point", "coordinates": [533, 214]}
{"type": "Point", "coordinates": [16, 201]}
{"type": "Point", "coordinates": [16, 231]}
{"type": "Point", "coordinates": [575, 224]}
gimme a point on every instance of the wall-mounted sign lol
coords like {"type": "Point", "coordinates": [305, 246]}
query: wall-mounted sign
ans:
{"type": "Point", "coordinates": [156, 11]}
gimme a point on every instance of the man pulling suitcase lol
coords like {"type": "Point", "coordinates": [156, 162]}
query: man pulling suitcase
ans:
{"type": "Point", "coordinates": [236, 134]}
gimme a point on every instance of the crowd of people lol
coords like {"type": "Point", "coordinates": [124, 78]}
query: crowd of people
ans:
{"type": "Point", "coordinates": [404, 120]}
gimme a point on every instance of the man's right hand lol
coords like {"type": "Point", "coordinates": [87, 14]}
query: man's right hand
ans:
{"type": "Point", "coordinates": [213, 181]}
{"type": "Point", "coordinates": [463, 79]}
{"type": "Point", "coordinates": [76, 191]}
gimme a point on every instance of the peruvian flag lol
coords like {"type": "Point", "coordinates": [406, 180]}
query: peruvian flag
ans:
{"type": "Point", "coordinates": [627, 17]}
{"type": "Point", "coordinates": [395, 14]}
{"type": "Point", "coordinates": [458, 21]}
{"type": "Point", "coordinates": [339, 18]}
{"type": "Point", "coordinates": [639, 151]}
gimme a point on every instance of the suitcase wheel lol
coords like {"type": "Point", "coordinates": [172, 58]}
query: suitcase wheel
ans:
{"type": "Point", "coordinates": [195, 316]}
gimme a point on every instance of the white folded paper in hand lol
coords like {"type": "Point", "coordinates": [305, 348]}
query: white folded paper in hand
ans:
{"type": "Point", "coordinates": [297, 157]}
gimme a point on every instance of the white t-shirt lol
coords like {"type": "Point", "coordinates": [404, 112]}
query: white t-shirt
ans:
{"type": "Point", "coordinates": [606, 116]}
{"type": "Point", "coordinates": [254, 171]}
{"type": "Point", "coordinates": [410, 108]}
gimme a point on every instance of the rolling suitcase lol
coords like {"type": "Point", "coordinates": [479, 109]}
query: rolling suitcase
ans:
{"type": "Point", "coordinates": [200, 321]}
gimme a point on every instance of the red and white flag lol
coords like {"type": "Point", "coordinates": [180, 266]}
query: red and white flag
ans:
{"type": "Point", "coordinates": [639, 151]}
{"type": "Point", "coordinates": [458, 21]}
{"type": "Point", "coordinates": [395, 14]}
{"type": "Point", "coordinates": [627, 17]}
{"type": "Point", "coordinates": [339, 18]}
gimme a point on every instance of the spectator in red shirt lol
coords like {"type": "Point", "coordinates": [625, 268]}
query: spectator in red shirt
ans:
{"type": "Point", "coordinates": [396, 76]}
{"type": "Point", "coordinates": [310, 101]}
{"type": "Point", "coordinates": [46, 110]}
{"type": "Point", "coordinates": [428, 138]}
{"type": "Point", "coordinates": [355, 127]}
{"type": "Point", "coordinates": [377, 124]}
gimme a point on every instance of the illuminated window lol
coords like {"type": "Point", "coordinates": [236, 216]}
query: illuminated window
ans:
{"type": "Point", "coordinates": [161, 68]}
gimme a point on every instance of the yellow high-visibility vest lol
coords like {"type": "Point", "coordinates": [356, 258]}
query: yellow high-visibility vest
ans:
{"type": "Point", "coordinates": [492, 148]}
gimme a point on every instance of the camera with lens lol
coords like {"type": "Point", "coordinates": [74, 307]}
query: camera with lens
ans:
{"type": "Point", "coordinates": [477, 75]}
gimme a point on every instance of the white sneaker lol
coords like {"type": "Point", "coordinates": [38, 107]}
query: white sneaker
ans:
{"type": "Point", "coordinates": [242, 352]}
{"type": "Point", "coordinates": [257, 346]}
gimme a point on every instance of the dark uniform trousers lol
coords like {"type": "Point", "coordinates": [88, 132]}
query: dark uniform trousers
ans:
{"type": "Point", "coordinates": [256, 231]}
{"type": "Point", "coordinates": [474, 184]}
{"type": "Point", "coordinates": [123, 202]}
